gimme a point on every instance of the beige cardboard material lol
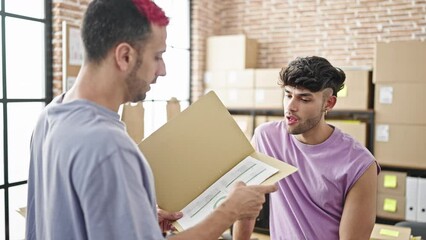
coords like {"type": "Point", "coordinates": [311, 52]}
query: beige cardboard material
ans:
{"type": "Point", "coordinates": [400, 145]}
{"type": "Point", "coordinates": [388, 232]}
{"type": "Point", "coordinates": [229, 79]}
{"type": "Point", "coordinates": [242, 98]}
{"type": "Point", "coordinates": [133, 117]}
{"type": "Point", "coordinates": [398, 214]}
{"type": "Point", "coordinates": [268, 98]}
{"type": "Point", "coordinates": [267, 78]}
{"type": "Point", "coordinates": [356, 129]}
{"type": "Point", "coordinates": [245, 122]}
{"type": "Point", "coordinates": [399, 189]}
{"type": "Point", "coordinates": [357, 92]}
{"type": "Point", "coordinates": [400, 62]}
{"type": "Point", "coordinates": [231, 52]}
{"type": "Point", "coordinates": [197, 147]}
{"type": "Point", "coordinates": [400, 103]}
{"type": "Point", "coordinates": [173, 108]}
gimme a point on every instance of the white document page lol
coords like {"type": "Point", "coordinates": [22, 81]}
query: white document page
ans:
{"type": "Point", "coordinates": [250, 171]}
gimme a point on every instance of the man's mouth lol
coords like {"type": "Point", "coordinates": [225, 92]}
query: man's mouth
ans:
{"type": "Point", "coordinates": [291, 120]}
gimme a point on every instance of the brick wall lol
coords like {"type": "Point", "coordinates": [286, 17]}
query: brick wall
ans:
{"type": "Point", "coordinates": [344, 31]}
{"type": "Point", "coordinates": [205, 22]}
{"type": "Point", "coordinates": [70, 11]}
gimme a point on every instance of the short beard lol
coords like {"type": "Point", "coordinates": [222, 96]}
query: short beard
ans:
{"type": "Point", "coordinates": [305, 126]}
{"type": "Point", "coordinates": [132, 83]}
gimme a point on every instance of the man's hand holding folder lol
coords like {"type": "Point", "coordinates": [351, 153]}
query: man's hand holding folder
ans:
{"type": "Point", "coordinates": [247, 201]}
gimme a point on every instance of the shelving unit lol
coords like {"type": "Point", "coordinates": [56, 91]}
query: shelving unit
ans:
{"type": "Point", "coordinates": [363, 116]}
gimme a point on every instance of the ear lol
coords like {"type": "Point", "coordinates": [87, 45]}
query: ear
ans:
{"type": "Point", "coordinates": [125, 56]}
{"type": "Point", "coordinates": [329, 104]}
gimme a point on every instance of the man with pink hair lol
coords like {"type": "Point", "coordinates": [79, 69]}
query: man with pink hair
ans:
{"type": "Point", "coordinates": [88, 179]}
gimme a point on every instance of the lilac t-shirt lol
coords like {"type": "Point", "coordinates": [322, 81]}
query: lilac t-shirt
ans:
{"type": "Point", "coordinates": [309, 203]}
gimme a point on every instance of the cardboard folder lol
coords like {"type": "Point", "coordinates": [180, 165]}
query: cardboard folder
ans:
{"type": "Point", "coordinates": [195, 148]}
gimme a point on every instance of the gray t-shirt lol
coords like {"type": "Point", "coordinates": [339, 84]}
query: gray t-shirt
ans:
{"type": "Point", "coordinates": [88, 179]}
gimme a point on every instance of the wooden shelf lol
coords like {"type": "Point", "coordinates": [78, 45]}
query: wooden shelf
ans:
{"type": "Point", "coordinates": [366, 116]}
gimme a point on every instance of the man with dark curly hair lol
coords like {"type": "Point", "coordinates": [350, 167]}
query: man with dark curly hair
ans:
{"type": "Point", "coordinates": [333, 193]}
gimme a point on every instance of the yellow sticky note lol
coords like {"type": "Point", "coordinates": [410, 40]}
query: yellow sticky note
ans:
{"type": "Point", "coordinates": [390, 181]}
{"type": "Point", "coordinates": [390, 205]}
{"type": "Point", "coordinates": [389, 232]}
{"type": "Point", "coordinates": [343, 92]}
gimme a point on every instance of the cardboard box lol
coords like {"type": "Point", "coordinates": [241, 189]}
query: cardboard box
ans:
{"type": "Point", "coordinates": [400, 103]}
{"type": "Point", "coordinates": [245, 122]}
{"type": "Point", "coordinates": [356, 129]}
{"type": "Point", "coordinates": [267, 78]}
{"type": "Point", "coordinates": [390, 206]}
{"type": "Point", "coordinates": [215, 79]}
{"type": "Point", "coordinates": [231, 52]}
{"type": "Point", "coordinates": [133, 117]}
{"type": "Point", "coordinates": [262, 119]}
{"type": "Point", "coordinates": [357, 93]}
{"type": "Point", "coordinates": [400, 62]}
{"type": "Point", "coordinates": [391, 182]}
{"type": "Point", "coordinates": [399, 145]}
{"type": "Point", "coordinates": [229, 79]}
{"type": "Point", "coordinates": [242, 98]}
{"type": "Point", "coordinates": [390, 232]}
{"type": "Point", "coordinates": [268, 98]}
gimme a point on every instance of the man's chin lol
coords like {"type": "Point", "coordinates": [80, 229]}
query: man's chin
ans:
{"type": "Point", "coordinates": [138, 98]}
{"type": "Point", "coordinates": [293, 131]}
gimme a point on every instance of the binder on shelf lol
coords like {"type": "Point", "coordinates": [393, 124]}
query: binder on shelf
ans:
{"type": "Point", "coordinates": [411, 198]}
{"type": "Point", "coordinates": [421, 200]}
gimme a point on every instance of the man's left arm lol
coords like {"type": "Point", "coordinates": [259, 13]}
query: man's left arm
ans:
{"type": "Point", "coordinates": [359, 212]}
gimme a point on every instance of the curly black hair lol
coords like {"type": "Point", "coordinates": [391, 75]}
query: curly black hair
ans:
{"type": "Point", "coordinates": [313, 73]}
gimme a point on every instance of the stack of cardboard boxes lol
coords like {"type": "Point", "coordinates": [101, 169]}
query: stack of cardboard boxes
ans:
{"type": "Point", "coordinates": [400, 123]}
{"type": "Point", "coordinates": [232, 74]}
{"type": "Point", "coordinates": [400, 79]}
{"type": "Point", "coordinates": [357, 95]}
{"type": "Point", "coordinates": [391, 195]}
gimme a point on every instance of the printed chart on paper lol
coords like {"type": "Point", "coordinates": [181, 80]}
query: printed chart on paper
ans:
{"type": "Point", "coordinates": [250, 171]}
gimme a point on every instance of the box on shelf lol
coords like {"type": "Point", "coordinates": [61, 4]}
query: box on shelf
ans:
{"type": "Point", "coordinates": [242, 98]}
{"type": "Point", "coordinates": [390, 232]}
{"type": "Point", "coordinates": [357, 93]}
{"type": "Point", "coordinates": [231, 52]}
{"type": "Point", "coordinates": [245, 122]}
{"type": "Point", "coordinates": [392, 182]}
{"type": "Point", "coordinates": [390, 206]}
{"type": "Point", "coordinates": [229, 79]}
{"type": "Point", "coordinates": [400, 62]}
{"type": "Point", "coordinates": [400, 103]}
{"type": "Point", "coordinates": [356, 129]}
{"type": "Point", "coordinates": [400, 145]}
{"type": "Point", "coordinates": [267, 78]}
{"type": "Point", "coordinates": [268, 98]}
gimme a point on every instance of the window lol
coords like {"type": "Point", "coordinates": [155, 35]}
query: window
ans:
{"type": "Point", "coordinates": [25, 88]}
{"type": "Point", "coordinates": [177, 59]}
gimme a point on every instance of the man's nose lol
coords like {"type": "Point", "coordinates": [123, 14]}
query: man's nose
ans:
{"type": "Point", "coordinates": [291, 105]}
{"type": "Point", "coordinates": [162, 69]}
